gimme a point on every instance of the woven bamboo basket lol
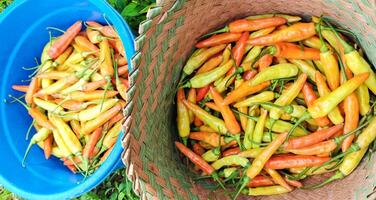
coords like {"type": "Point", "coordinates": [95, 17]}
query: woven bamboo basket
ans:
{"type": "Point", "coordinates": [166, 40]}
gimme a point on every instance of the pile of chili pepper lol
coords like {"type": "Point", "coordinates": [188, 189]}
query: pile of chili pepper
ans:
{"type": "Point", "coordinates": [269, 100]}
{"type": "Point", "coordinates": [76, 96]}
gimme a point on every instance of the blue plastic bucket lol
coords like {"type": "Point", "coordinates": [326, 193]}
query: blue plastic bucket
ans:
{"type": "Point", "coordinates": [23, 34]}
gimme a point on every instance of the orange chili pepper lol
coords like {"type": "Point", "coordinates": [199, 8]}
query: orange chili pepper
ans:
{"type": "Point", "coordinates": [239, 49]}
{"type": "Point", "coordinates": [290, 50]}
{"type": "Point", "coordinates": [243, 91]}
{"type": "Point", "coordinates": [351, 107]}
{"type": "Point", "coordinates": [63, 41]}
{"type": "Point", "coordinates": [309, 98]}
{"type": "Point", "coordinates": [222, 38]}
{"type": "Point", "coordinates": [292, 161]}
{"type": "Point", "coordinates": [265, 61]}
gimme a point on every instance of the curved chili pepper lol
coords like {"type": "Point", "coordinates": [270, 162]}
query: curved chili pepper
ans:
{"type": "Point", "coordinates": [293, 33]}
{"type": "Point", "coordinates": [313, 138]}
{"type": "Point", "coordinates": [305, 67]}
{"type": "Point", "coordinates": [334, 115]}
{"type": "Point", "coordinates": [322, 106]}
{"type": "Point", "coordinates": [41, 135]}
{"type": "Point", "coordinates": [309, 98]}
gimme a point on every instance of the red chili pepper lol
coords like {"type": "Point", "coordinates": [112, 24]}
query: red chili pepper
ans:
{"type": "Point", "coordinates": [265, 61]}
{"type": "Point", "coordinates": [293, 51]}
{"type": "Point", "coordinates": [62, 42]}
{"type": "Point", "coordinates": [260, 180]}
{"type": "Point", "coordinates": [239, 49]}
{"type": "Point", "coordinates": [249, 74]}
{"type": "Point", "coordinates": [201, 93]}
{"type": "Point", "coordinates": [313, 138]}
{"type": "Point", "coordinates": [232, 151]}
{"type": "Point", "coordinates": [198, 149]}
{"type": "Point", "coordinates": [293, 161]}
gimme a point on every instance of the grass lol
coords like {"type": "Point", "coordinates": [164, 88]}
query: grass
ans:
{"type": "Point", "coordinates": [116, 186]}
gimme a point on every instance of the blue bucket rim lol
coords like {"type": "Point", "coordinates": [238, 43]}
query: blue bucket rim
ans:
{"type": "Point", "coordinates": [114, 160]}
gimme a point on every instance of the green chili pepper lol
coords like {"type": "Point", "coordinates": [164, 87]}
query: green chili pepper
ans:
{"type": "Point", "coordinates": [284, 70]}
{"type": "Point", "coordinates": [230, 161]}
{"type": "Point", "coordinates": [204, 79]}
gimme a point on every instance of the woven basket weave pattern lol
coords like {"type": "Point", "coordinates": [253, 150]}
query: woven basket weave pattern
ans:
{"type": "Point", "coordinates": [166, 40]}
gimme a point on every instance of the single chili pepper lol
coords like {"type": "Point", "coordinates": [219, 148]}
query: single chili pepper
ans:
{"type": "Point", "coordinates": [105, 155]}
{"type": "Point", "coordinates": [313, 42]}
{"type": "Point", "coordinates": [117, 45]}
{"type": "Point", "coordinates": [249, 74]}
{"type": "Point", "coordinates": [67, 135]}
{"type": "Point", "coordinates": [245, 25]}
{"type": "Point", "coordinates": [229, 118]}
{"type": "Point", "coordinates": [94, 36]}
{"type": "Point", "coordinates": [47, 146]}
{"type": "Point", "coordinates": [268, 190]}
{"type": "Point", "coordinates": [107, 30]}
{"type": "Point", "coordinates": [198, 149]}
{"type": "Point", "coordinates": [224, 83]}
{"type": "Point", "coordinates": [334, 115]}
{"type": "Point", "coordinates": [239, 49]}
{"type": "Point", "coordinates": [198, 161]}
{"type": "Point", "coordinates": [123, 69]}
{"type": "Point", "coordinates": [204, 79]}
{"type": "Point", "coordinates": [233, 160]}
{"type": "Point", "coordinates": [294, 183]}
{"type": "Point", "coordinates": [243, 119]}
{"type": "Point", "coordinates": [182, 116]}
{"type": "Point", "coordinates": [86, 96]}
{"type": "Point", "coordinates": [48, 106]}
{"type": "Point", "coordinates": [251, 57]}
{"type": "Point", "coordinates": [351, 107]}
{"type": "Point", "coordinates": [290, 161]}
{"type": "Point", "coordinates": [310, 97]}
{"type": "Point", "coordinates": [219, 39]}
{"type": "Point", "coordinates": [287, 97]}
{"type": "Point", "coordinates": [63, 41]}
{"type": "Point", "coordinates": [210, 138]}
{"type": "Point", "coordinates": [85, 44]}
{"type": "Point", "coordinates": [265, 61]}
{"type": "Point", "coordinates": [92, 86]}
{"type": "Point", "coordinates": [305, 67]}
{"type": "Point", "coordinates": [277, 178]}
{"type": "Point", "coordinates": [91, 125]}
{"type": "Point", "coordinates": [202, 92]}
{"type": "Point", "coordinates": [120, 85]}
{"type": "Point", "coordinates": [327, 103]}
{"type": "Point", "coordinates": [76, 128]}
{"type": "Point", "coordinates": [211, 155]}
{"type": "Point", "coordinates": [212, 121]}
{"type": "Point", "coordinates": [251, 153]}
{"type": "Point", "coordinates": [260, 180]}
{"type": "Point", "coordinates": [244, 90]}
{"type": "Point", "coordinates": [210, 64]}
{"type": "Point", "coordinates": [93, 112]}
{"type": "Point", "coordinates": [248, 132]}
{"type": "Point", "coordinates": [41, 135]}
{"type": "Point", "coordinates": [316, 149]}
{"type": "Point", "coordinates": [192, 98]}
{"type": "Point", "coordinates": [197, 122]}
{"type": "Point", "coordinates": [259, 162]}
{"type": "Point", "coordinates": [293, 33]}
{"type": "Point", "coordinates": [20, 88]}
{"type": "Point", "coordinates": [363, 98]}
{"type": "Point", "coordinates": [329, 63]}
{"type": "Point", "coordinates": [258, 131]}
{"type": "Point", "coordinates": [232, 151]}
{"type": "Point", "coordinates": [57, 86]}
{"type": "Point", "coordinates": [32, 89]}
{"type": "Point", "coordinates": [293, 51]}
{"type": "Point", "coordinates": [89, 147]}
{"type": "Point", "coordinates": [313, 138]}
{"type": "Point", "coordinates": [65, 152]}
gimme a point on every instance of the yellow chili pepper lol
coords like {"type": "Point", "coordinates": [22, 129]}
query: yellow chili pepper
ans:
{"type": "Point", "coordinates": [363, 97]}
{"type": "Point", "coordinates": [259, 129]}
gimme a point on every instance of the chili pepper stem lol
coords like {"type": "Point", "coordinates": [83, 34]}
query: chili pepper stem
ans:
{"type": "Point", "coordinates": [20, 97]}
{"type": "Point", "coordinates": [216, 178]}
{"type": "Point", "coordinates": [27, 153]}
{"type": "Point", "coordinates": [336, 176]}
{"type": "Point", "coordinates": [29, 130]}
{"type": "Point", "coordinates": [245, 181]}
{"type": "Point", "coordinates": [222, 30]}
{"type": "Point", "coordinates": [304, 117]}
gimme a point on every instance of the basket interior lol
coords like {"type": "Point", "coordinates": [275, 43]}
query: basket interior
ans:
{"type": "Point", "coordinates": [166, 41]}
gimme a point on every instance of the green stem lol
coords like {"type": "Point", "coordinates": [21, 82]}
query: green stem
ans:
{"type": "Point", "coordinates": [336, 176]}
{"type": "Point", "coordinates": [222, 30]}
{"type": "Point", "coordinates": [347, 47]}
{"type": "Point", "coordinates": [304, 117]}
